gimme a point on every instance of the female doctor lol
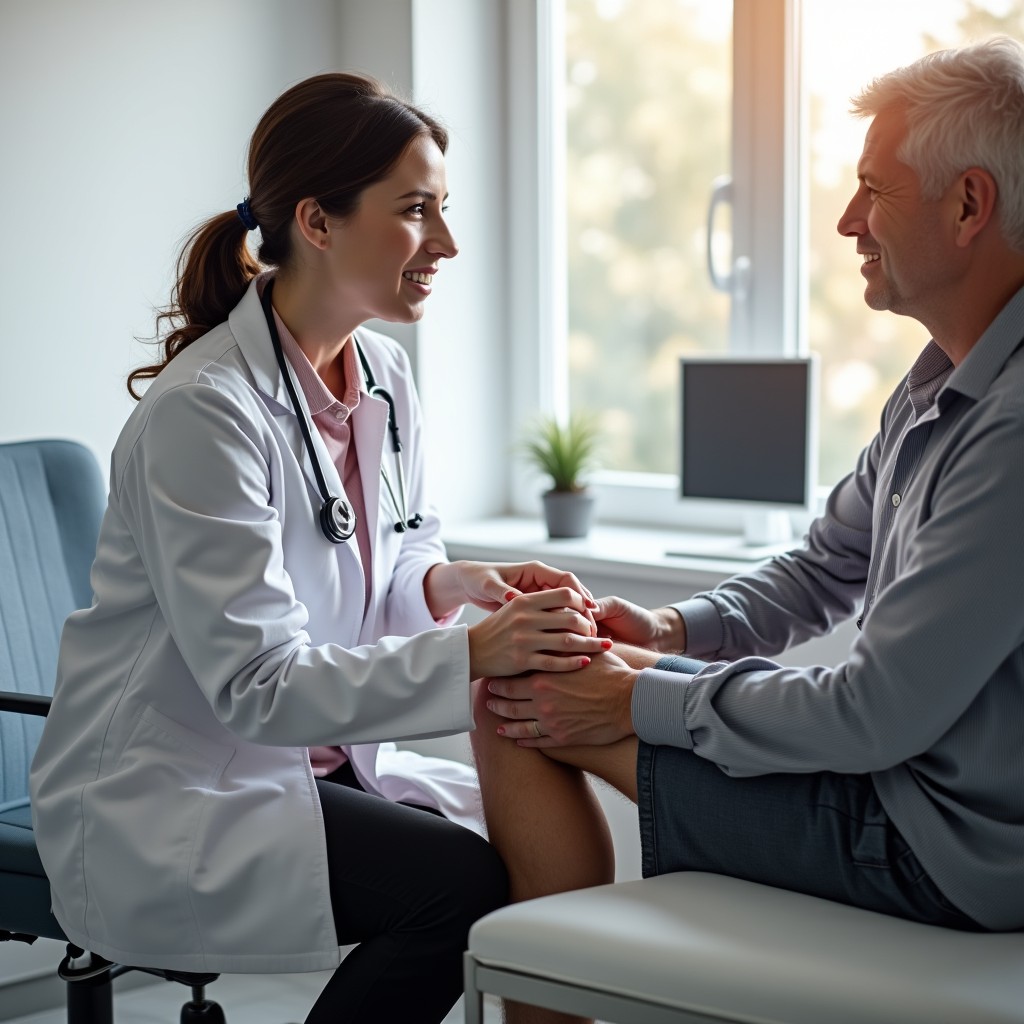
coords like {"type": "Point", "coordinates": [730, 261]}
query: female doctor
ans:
{"type": "Point", "coordinates": [270, 579]}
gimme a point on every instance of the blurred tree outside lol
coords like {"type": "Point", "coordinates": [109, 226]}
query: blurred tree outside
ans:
{"type": "Point", "coordinates": [648, 94]}
{"type": "Point", "coordinates": [648, 98]}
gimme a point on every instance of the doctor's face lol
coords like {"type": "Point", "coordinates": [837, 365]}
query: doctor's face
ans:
{"type": "Point", "coordinates": [384, 255]}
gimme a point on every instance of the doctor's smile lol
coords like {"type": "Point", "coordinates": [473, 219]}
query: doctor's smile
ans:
{"type": "Point", "coordinates": [422, 278]}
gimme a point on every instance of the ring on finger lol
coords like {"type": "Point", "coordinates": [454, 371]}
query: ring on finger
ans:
{"type": "Point", "coordinates": [536, 729]}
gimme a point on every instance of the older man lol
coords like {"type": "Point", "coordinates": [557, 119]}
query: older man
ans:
{"type": "Point", "coordinates": [893, 781]}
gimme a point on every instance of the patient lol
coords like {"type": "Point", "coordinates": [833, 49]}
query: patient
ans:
{"type": "Point", "coordinates": [892, 781]}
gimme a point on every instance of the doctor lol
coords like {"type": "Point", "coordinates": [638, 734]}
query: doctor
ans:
{"type": "Point", "coordinates": [269, 579]}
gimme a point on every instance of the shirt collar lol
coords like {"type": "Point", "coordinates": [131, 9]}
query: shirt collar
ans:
{"type": "Point", "coordinates": [933, 372]}
{"type": "Point", "coordinates": [974, 376]}
{"type": "Point", "coordinates": [929, 373]}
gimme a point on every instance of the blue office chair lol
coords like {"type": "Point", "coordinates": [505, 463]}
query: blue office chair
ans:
{"type": "Point", "coordinates": [52, 497]}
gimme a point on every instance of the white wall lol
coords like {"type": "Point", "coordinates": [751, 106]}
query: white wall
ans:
{"type": "Point", "coordinates": [448, 55]}
{"type": "Point", "coordinates": [465, 341]}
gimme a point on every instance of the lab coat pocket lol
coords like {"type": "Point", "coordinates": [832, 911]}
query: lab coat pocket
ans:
{"type": "Point", "coordinates": [141, 821]}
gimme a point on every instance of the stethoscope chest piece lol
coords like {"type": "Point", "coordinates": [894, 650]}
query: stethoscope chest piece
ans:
{"type": "Point", "coordinates": [337, 520]}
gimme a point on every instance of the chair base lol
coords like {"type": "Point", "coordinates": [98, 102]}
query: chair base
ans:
{"type": "Point", "coordinates": [202, 1011]}
{"type": "Point", "coordinates": [90, 998]}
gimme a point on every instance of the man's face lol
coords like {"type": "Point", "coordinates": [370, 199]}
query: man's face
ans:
{"type": "Point", "coordinates": [906, 241]}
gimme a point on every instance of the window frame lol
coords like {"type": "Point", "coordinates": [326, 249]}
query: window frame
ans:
{"type": "Point", "coordinates": [769, 226]}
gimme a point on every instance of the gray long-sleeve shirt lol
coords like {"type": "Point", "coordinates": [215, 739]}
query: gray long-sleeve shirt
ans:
{"type": "Point", "coordinates": [928, 535]}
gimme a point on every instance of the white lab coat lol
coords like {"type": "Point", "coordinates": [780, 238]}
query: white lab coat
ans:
{"type": "Point", "coordinates": [174, 807]}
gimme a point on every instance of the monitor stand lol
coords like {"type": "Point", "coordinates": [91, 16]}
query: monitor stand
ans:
{"type": "Point", "coordinates": [765, 534]}
{"type": "Point", "coordinates": [762, 528]}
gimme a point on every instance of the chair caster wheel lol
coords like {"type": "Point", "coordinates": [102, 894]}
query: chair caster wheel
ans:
{"type": "Point", "coordinates": [203, 1012]}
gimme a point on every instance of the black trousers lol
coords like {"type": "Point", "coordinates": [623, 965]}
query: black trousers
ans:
{"type": "Point", "coordinates": [406, 884]}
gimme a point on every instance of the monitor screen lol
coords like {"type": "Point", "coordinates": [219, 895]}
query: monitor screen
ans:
{"type": "Point", "coordinates": [748, 430]}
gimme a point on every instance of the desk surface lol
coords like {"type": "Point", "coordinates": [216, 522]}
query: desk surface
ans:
{"type": "Point", "coordinates": [617, 551]}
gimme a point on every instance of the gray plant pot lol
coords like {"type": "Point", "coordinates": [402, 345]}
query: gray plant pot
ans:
{"type": "Point", "coordinates": [568, 513]}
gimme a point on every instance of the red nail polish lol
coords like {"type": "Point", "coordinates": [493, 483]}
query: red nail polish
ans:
{"type": "Point", "coordinates": [509, 595]}
{"type": "Point", "coordinates": [606, 645]}
{"type": "Point", "coordinates": [501, 730]}
{"type": "Point", "coordinates": [584, 662]}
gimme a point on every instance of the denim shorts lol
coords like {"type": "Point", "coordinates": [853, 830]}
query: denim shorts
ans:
{"type": "Point", "coordinates": [824, 834]}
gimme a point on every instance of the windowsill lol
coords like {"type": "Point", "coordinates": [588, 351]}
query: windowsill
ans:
{"type": "Point", "coordinates": [622, 552]}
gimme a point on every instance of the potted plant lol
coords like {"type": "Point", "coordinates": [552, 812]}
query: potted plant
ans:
{"type": "Point", "coordinates": [564, 452]}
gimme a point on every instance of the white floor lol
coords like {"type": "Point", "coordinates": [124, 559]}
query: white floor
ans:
{"type": "Point", "coordinates": [246, 999]}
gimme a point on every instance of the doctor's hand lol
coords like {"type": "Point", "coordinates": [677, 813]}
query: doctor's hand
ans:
{"type": "Point", "coordinates": [547, 631]}
{"type": "Point", "coordinates": [591, 706]}
{"type": "Point", "coordinates": [661, 630]}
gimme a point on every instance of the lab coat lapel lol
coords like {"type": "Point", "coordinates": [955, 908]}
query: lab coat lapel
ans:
{"type": "Point", "coordinates": [249, 327]}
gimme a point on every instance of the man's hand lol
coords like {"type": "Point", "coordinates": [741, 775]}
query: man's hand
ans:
{"type": "Point", "coordinates": [661, 630]}
{"type": "Point", "coordinates": [588, 706]}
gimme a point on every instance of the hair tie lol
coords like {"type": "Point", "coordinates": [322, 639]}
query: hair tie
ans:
{"type": "Point", "coordinates": [245, 215]}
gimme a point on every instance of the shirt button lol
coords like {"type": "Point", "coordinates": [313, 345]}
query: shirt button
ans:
{"type": "Point", "coordinates": [896, 499]}
{"type": "Point", "coordinates": [341, 415]}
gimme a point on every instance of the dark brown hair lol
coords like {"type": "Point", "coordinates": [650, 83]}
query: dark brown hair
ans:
{"type": "Point", "coordinates": [329, 138]}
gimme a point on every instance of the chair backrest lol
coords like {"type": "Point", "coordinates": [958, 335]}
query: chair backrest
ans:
{"type": "Point", "coordinates": [52, 497]}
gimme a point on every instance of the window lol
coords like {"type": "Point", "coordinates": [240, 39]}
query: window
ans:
{"type": "Point", "coordinates": [647, 112]}
{"type": "Point", "coordinates": [642, 105]}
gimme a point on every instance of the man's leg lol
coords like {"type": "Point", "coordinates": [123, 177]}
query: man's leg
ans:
{"type": "Point", "coordinates": [545, 821]}
{"type": "Point", "coordinates": [615, 762]}
{"type": "Point", "coordinates": [820, 833]}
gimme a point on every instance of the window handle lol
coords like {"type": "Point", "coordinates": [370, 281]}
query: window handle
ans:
{"type": "Point", "coordinates": [737, 280]}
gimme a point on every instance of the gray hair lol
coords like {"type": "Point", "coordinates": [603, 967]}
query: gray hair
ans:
{"type": "Point", "coordinates": [964, 108]}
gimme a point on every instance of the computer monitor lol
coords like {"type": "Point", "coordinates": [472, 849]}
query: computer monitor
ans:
{"type": "Point", "coordinates": [748, 436]}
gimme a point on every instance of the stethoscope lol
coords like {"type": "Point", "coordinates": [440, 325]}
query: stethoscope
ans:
{"type": "Point", "coordinates": [337, 517]}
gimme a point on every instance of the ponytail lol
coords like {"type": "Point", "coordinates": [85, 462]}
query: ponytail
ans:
{"type": "Point", "coordinates": [214, 270]}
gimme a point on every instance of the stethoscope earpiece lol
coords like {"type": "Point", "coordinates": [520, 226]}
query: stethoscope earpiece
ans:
{"type": "Point", "coordinates": [337, 517]}
{"type": "Point", "coordinates": [409, 524]}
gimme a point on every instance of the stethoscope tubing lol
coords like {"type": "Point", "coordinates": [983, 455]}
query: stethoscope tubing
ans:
{"type": "Point", "coordinates": [337, 517]}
